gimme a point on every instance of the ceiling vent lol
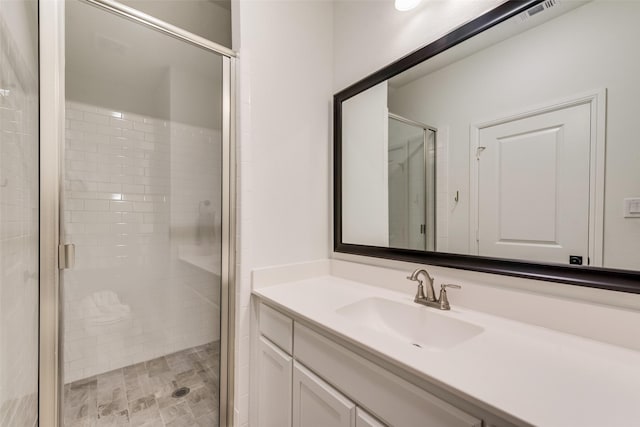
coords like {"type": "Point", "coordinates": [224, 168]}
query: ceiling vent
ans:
{"type": "Point", "coordinates": [524, 16]}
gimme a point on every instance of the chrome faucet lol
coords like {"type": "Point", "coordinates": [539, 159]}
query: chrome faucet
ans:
{"type": "Point", "coordinates": [431, 295]}
{"type": "Point", "coordinates": [430, 300]}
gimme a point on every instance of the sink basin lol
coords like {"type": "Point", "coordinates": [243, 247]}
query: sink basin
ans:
{"type": "Point", "coordinates": [419, 326]}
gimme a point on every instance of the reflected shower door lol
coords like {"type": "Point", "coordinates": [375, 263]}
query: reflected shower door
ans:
{"type": "Point", "coordinates": [406, 185]}
{"type": "Point", "coordinates": [411, 185]}
{"type": "Point", "coordinates": [142, 203]}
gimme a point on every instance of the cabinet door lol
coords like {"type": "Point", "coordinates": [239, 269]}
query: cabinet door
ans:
{"type": "Point", "coordinates": [317, 404]}
{"type": "Point", "coordinates": [363, 419]}
{"type": "Point", "coordinates": [274, 377]}
{"type": "Point", "coordinates": [396, 401]}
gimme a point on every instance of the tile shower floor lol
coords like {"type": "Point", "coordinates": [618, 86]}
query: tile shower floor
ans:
{"type": "Point", "coordinates": [141, 394]}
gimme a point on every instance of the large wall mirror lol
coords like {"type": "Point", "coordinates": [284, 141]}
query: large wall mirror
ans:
{"type": "Point", "coordinates": [509, 146]}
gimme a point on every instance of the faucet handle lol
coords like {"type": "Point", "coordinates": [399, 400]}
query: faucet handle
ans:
{"type": "Point", "coordinates": [420, 292]}
{"type": "Point", "coordinates": [444, 301]}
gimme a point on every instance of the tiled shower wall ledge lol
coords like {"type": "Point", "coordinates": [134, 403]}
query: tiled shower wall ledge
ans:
{"type": "Point", "coordinates": [135, 188]}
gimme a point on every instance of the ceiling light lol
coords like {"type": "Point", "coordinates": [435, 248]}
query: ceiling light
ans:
{"type": "Point", "coordinates": [404, 5]}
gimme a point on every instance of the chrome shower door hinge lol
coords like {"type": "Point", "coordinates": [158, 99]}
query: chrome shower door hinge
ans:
{"type": "Point", "coordinates": [66, 256]}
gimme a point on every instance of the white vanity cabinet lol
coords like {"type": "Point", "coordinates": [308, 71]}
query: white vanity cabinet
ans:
{"type": "Point", "coordinates": [396, 401]}
{"type": "Point", "coordinates": [308, 380]}
{"type": "Point", "coordinates": [317, 404]}
{"type": "Point", "coordinates": [275, 368]}
{"type": "Point", "coordinates": [274, 385]}
{"type": "Point", "coordinates": [276, 327]}
{"type": "Point", "coordinates": [365, 420]}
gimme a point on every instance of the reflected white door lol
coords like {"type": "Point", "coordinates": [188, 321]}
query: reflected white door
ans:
{"type": "Point", "coordinates": [533, 187]}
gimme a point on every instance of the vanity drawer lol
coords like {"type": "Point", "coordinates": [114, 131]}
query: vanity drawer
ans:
{"type": "Point", "coordinates": [392, 399]}
{"type": "Point", "coordinates": [277, 327]}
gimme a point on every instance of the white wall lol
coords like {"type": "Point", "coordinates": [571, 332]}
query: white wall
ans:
{"type": "Point", "coordinates": [285, 88]}
{"type": "Point", "coordinates": [506, 78]}
{"type": "Point", "coordinates": [287, 49]}
{"type": "Point", "coordinates": [365, 170]}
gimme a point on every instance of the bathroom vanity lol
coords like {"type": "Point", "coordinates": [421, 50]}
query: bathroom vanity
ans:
{"type": "Point", "coordinates": [336, 352]}
{"type": "Point", "coordinates": [309, 386]}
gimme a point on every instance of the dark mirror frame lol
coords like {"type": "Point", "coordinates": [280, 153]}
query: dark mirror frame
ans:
{"type": "Point", "coordinates": [595, 277]}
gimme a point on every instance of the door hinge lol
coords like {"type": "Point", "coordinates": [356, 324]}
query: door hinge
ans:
{"type": "Point", "coordinates": [66, 256]}
{"type": "Point", "coordinates": [479, 151]}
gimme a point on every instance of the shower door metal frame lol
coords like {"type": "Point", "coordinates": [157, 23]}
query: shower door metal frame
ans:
{"type": "Point", "coordinates": [52, 119]}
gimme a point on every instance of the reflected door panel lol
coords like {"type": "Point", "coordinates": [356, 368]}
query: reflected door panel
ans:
{"type": "Point", "coordinates": [534, 187]}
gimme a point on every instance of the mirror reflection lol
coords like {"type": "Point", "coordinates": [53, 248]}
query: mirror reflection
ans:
{"type": "Point", "coordinates": [411, 184]}
{"type": "Point", "coordinates": [519, 143]}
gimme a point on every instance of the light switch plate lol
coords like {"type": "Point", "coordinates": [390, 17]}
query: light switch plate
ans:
{"type": "Point", "coordinates": [632, 207]}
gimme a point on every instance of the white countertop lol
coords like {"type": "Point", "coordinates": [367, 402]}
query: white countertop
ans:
{"type": "Point", "coordinates": [537, 375]}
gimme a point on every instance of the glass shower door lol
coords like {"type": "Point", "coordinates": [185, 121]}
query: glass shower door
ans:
{"type": "Point", "coordinates": [19, 227]}
{"type": "Point", "coordinates": [142, 204]}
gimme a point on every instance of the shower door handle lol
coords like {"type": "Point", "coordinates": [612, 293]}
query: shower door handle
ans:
{"type": "Point", "coordinates": [66, 256]}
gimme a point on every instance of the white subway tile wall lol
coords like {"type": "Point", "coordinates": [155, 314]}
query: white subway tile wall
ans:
{"type": "Point", "coordinates": [19, 258]}
{"type": "Point", "coordinates": [142, 205]}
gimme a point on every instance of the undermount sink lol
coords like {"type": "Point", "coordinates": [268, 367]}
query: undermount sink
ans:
{"type": "Point", "coordinates": [419, 326]}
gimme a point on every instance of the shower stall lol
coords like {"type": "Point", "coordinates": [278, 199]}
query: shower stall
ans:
{"type": "Point", "coordinates": [135, 208]}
